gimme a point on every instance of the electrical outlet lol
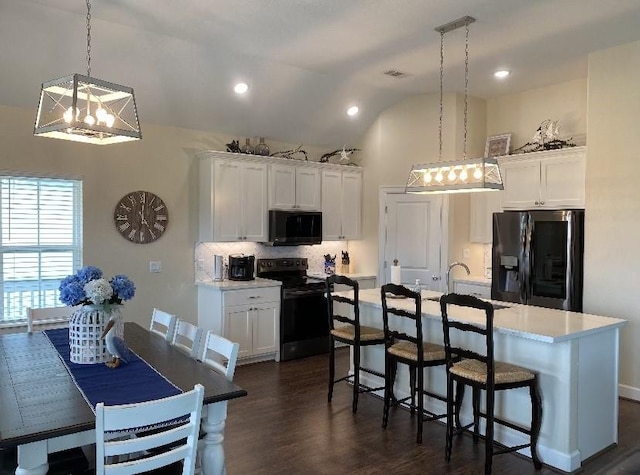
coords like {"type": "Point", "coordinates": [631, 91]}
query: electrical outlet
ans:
{"type": "Point", "coordinates": [200, 264]}
{"type": "Point", "coordinates": [155, 266]}
{"type": "Point", "coordinates": [465, 253]}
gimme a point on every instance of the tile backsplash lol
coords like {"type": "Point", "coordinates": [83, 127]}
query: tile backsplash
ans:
{"type": "Point", "coordinates": [204, 252]}
{"type": "Point", "coordinates": [487, 260]}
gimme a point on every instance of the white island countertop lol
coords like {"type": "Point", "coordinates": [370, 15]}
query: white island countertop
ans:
{"type": "Point", "coordinates": [524, 321]}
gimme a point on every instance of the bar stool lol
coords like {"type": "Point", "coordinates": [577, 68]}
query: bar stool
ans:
{"type": "Point", "coordinates": [413, 351]}
{"type": "Point", "coordinates": [482, 372]}
{"type": "Point", "coordinates": [352, 333]}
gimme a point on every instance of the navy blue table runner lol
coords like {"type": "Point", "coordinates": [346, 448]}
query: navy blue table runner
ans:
{"type": "Point", "coordinates": [134, 382]}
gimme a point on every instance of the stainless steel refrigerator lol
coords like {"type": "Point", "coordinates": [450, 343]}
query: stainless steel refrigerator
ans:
{"type": "Point", "coordinates": [537, 258]}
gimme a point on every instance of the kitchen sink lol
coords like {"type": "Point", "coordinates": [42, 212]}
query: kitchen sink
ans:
{"type": "Point", "coordinates": [496, 306]}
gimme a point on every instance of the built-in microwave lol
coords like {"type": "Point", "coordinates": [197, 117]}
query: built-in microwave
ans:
{"type": "Point", "coordinates": [294, 228]}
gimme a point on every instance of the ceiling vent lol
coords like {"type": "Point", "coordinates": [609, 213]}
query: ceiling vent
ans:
{"type": "Point", "coordinates": [396, 74]}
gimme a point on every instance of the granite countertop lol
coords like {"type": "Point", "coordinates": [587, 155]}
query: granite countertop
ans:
{"type": "Point", "coordinates": [525, 321]}
{"type": "Point", "coordinates": [239, 284]}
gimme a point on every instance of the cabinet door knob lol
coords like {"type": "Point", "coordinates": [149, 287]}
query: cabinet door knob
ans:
{"type": "Point", "coordinates": [537, 203]}
{"type": "Point", "coordinates": [435, 278]}
{"type": "Point", "coordinates": [542, 202]}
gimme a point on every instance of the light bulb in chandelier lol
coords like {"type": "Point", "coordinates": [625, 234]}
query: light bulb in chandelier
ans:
{"type": "Point", "coordinates": [464, 175]}
{"type": "Point", "coordinates": [109, 120]}
{"type": "Point", "coordinates": [89, 119]}
{"type": "Point", "coordinates": [427, 177]}
{"type": "Point", "coordinates": [68, 115]}
{"type": "Point", "coordinates": [101, 115]}
{"type": "Point", "coordinates": [452, 175]}
{"type": "Point", "coordinates": [439, 176]}
{"type": "Point", "coordinates": [477, 173]}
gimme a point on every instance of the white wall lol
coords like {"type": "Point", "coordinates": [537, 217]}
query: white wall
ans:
{"type": "Point", "coordinates": [521, 114]}
{"type": "Point", "coordinates": [406, 134]}
{"type": "Point", "coordinates": [612, 278]}
{"type": "Point", "coordinates": [162, 162]}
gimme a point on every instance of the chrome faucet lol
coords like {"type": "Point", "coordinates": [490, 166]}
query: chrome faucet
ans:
{"type": "Point", "coordinates": [451, 266]}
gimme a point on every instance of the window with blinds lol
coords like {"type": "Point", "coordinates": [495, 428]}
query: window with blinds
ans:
{"type": "Point", "coordinates": [41, 228]}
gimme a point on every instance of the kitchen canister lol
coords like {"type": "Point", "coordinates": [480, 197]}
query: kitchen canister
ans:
{"type": "Point", "coordinates": [218, 267]}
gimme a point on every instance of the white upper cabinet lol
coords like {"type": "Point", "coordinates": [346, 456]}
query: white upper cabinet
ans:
{"type": "Point", "coordinates": [294, 187]}
{"type": "Point", "coordinates": [233, 199]}
{"type": "Point", "coordinates": [482, 207]}
{"type": "Point", "coordinates": [341, 204]}
{"type": "Point", "coordinates": [552, 179]}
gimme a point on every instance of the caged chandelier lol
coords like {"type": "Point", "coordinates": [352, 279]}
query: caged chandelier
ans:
{"type": "Point", "coordinates": [459, 176]}
{"type": "Point", "coordinates": [85, 109]}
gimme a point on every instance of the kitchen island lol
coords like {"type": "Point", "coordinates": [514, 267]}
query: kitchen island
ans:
{"type": "Point", "coordinates": [576, 357]}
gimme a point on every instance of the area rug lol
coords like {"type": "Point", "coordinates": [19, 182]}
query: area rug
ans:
{"type": "Point", "coordinates": [627, 464]}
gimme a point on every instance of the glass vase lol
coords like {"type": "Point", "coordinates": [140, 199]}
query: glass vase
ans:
{"type": "Point", "coordinates": [262, 148]}
{"type": "Point", "coordinates": [247, 147]}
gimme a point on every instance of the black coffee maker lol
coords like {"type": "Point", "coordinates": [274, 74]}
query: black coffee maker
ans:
{"type": "Point", "coordinates": [241, 267]}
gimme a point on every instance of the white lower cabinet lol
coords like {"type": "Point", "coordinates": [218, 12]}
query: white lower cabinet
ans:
{"type": "Point", "coordinates": [249, 317]}
{"type": "Point", "coordinates": [476, 289]}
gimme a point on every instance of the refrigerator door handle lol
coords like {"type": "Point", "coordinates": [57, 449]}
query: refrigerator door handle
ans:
{"type": "Point", "coordinates": [524, 259]}
{"type": "Point", "coordinates": [529, 261]}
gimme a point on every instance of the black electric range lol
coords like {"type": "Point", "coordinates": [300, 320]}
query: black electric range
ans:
{"type": "Point", "coordinates": [304, 325]}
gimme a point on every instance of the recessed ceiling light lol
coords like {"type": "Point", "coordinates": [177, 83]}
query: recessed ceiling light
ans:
{"type": "Point", "coordinates": [502, 73]}
{"type": "Point", "coordinates": [241, 88]}
{"type": "Point", "coordinates": [353, 110]}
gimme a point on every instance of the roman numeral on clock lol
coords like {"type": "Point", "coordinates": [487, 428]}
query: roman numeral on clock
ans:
{"type": "Point", "coordinates": [124, 226]}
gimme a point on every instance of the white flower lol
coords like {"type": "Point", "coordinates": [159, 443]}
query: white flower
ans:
{"type": "Point", "coordinates": [98, 291]}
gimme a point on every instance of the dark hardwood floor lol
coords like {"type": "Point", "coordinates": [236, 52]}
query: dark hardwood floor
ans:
{"type": "Point", "coordinates": [286, 426]}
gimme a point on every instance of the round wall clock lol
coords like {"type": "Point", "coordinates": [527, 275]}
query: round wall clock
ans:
{"type": "Point", "coordinates": [141, 217]}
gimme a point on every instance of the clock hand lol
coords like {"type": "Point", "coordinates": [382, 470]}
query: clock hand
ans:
{"type": "Point", "coordinates": [144, 221]}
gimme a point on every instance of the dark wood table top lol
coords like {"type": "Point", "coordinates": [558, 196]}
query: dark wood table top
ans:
{"type": "Point", "coordinates": [39, 400]}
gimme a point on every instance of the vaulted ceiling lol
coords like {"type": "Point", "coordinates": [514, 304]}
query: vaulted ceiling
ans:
{"type": "Point", "coordinates": [305, 61]}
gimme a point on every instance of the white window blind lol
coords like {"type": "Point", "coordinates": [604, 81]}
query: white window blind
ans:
{"type": "Point", "coordinates": [41, 229]}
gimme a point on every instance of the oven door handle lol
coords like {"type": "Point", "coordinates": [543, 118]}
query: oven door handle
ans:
{"type": "Point", "coordinates": [290, 294]}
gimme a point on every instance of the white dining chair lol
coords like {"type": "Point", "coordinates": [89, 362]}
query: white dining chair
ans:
{"type": "Point", "coordinates": [221, 355]}
{"type": "Point", "coordinates": [182, 438]}
{"type": "Point", "coordinates": [187, 338]}
{"type": "Point", "coordinates": [47, 318]}
{"type": "Point", "coordinates": [163, 324]}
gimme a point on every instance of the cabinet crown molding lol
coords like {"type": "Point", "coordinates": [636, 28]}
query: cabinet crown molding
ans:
{"type": "Point", "coordinates": [205, 154]}
{"type": "Point", "coordinates": [541, 155]}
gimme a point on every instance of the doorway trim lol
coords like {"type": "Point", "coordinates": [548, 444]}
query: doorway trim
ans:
{"type": "Point", "coordinates": [383, 194]}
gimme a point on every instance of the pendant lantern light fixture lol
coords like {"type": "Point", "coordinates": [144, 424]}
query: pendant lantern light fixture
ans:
{"type": "Point", "coordinates": [458, 176]}
{"type": "Point", "coordinates": [85, 109]}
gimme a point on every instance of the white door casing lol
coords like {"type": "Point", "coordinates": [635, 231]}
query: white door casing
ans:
{"type": "Point", "coordinates": [413, 229]}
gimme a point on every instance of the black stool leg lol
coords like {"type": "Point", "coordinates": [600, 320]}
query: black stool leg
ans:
{"type": "Point", "coordinates": [420, 402]}
{"type": "Point", "coordinates": [332, 368]}
{"type": "Point", "coordinates": [476, 414]}
{"type": "Point", "coordinates": [412, 384]}
{"type": "Point", "coordinates": [489, 433]}
{"type": "Point", "coordinates": [356, 376]}
{"type": "Point", "coordinates": [387, 390]}
{"type": "Point", "coordinates": [458, 401]}
{"type": "Point", "coordinates": [536, 421]}
{"type": "Point", "coordinates": [450, 408]}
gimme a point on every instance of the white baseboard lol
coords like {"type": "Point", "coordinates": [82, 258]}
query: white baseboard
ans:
{"type": "Point", "coordinates": [629, 392]}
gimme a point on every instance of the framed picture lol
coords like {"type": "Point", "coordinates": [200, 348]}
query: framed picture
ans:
{"type": "Point", "coordinates": [497, 145]}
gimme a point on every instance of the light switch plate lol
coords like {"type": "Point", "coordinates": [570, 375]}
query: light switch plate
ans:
{"type": "Point", "coordinates": [155, 266]}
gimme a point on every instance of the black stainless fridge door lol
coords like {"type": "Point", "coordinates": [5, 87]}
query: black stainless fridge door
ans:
{"type": "Point", "coordinates": [508, 256]}
{"type": "Point", "coordinates": [555, 247]}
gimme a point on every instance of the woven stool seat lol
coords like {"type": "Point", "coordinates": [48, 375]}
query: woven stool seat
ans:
{"type": "Point", "coordinates": [409, 351]}
{"type": "Point", "coordinates": [348, 332]}
{"type": "Point", "coordinates": [504, 372]}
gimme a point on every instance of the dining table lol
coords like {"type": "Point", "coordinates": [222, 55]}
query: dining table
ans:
{"type": "Point", "coordinates": [42, 411]}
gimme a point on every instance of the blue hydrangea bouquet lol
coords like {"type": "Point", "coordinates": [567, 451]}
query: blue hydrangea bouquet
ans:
{"type": "Point", "coordinates": [89, 287]}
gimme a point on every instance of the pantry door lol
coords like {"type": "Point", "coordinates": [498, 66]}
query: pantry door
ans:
{"type": "Point", "coordinates": [413, 230]}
